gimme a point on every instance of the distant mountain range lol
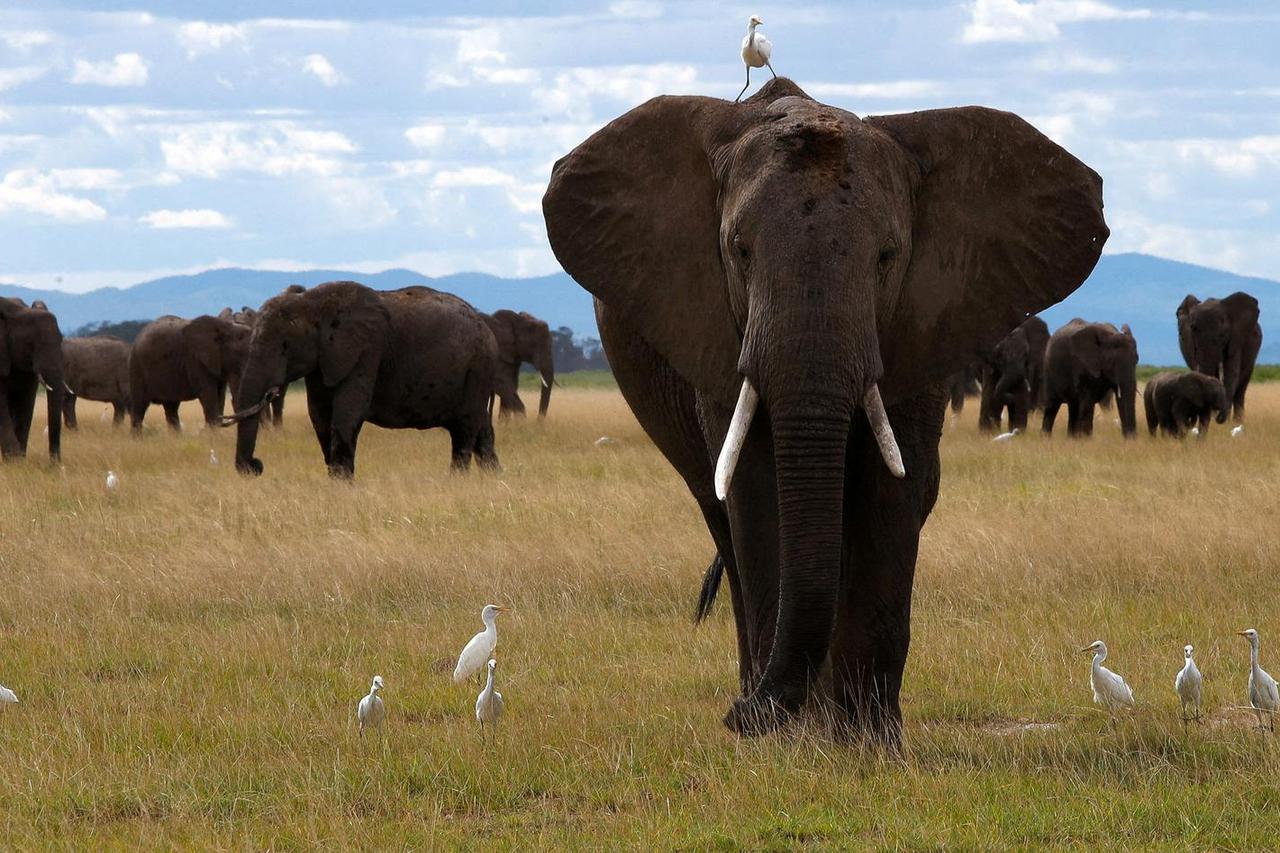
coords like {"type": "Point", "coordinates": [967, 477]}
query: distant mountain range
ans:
{"type": "Point", "coordinates": [1140, 290]}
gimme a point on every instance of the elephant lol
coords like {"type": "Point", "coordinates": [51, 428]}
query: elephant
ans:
{"type": "Point", "coordinates": [1082, 363]}
{"type": "Point", "coordinates": [413, 358]}
{"type": "Point", "coordinates": [1012, 376]}
{"type": "Point", "coordinates": [961, 384]}
{"type": "Point", "coordinates": [97, 368]}
{"type": "Point", "coordinates": [1221, 337]}
{"type": "Point", "coordinates": [782, 289]}
{"type": "Point", "coordinates": [174, 360]}
{"type": "Point", "coordinates": [30, 355]}
{"type": "Point", "coordinates": [1177, 401]}
{"type": "Point", "coordinates": [521, 338]}
{"type": "Point", "coordinates": [246, 316]}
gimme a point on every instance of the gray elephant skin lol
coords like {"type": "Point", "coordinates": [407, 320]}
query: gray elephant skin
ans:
{"type": "Point", "coordinates": [1221, 338]}
{"type": "Point", "coordinates": [30, 354]}
{"type": "Point", "coordinates": [788, 268]}
{"type": "Point", "coordinates": [413, 358]}
{"type": "Point", "coordinates": [175, 360]}
{"type": "Point", "coordinates": [1175, 402]}
{"type": "Point", "coordinates": [97, 369]}
{"type": "Point", "coordinates": [963, 384]}
{"type": "Point", "coordinates": [1012, 376]}
{"type": "Point", "coordinates": [246, 316]}
{"type": "Point", "coordinates": [522, 339]}
{"type": "Point", "coordinates": [1084, 362]}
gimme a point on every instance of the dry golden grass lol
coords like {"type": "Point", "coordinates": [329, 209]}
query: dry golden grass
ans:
{"type": "Point", "coordinates": [189, 650]}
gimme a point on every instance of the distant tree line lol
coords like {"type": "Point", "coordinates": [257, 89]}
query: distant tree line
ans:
{"type": "Point", "coordinates": [568, 352]}
{"type": "Point", "coordinates": [125, 330]}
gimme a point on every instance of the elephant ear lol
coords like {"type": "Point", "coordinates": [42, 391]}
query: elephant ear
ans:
{"type": "Point", "coordinates": [202, 343]}
{"type": "Point", "coordinates": [354, 327]}
{"type": "Point", "coordinates": [1185, 342]}
{"type": "Point", "coordinates": [1243, 311]}
{"type": "Point", "coordinates": [1006, 224]}
{"type": "Point", "coordinates": [1087, 349]}
{"type": "Point", "coordinates": [5, 365]}
{"type": "Point", "coordinates": [633, 216]}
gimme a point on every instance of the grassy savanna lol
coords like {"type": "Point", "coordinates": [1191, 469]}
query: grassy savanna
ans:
{"type": "Point", "coordinates": [189, 650]}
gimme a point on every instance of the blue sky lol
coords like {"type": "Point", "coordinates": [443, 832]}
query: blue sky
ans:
{"type": "Point", "coordinates": [143, 139]}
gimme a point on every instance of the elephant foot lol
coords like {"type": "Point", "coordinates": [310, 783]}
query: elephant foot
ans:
{"type": "Point", "coordinates": [252, 468]}
{"type": "Point", "coordinates": [757, 714]}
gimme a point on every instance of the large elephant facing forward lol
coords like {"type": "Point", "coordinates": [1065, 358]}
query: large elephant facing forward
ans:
{"type": "Point", "coordinates": [175, 360]}
{"type": "Point", "coordinates": [522, 338]}
{"type": "Point", "coordinates": [413, 358]}
{"type": "Point", "coordinates": [1221, 338]}
{"type": "Point", "coordinates": [785, 287]}
{"type": "Point", "coordinates": [30, 355]}
{"type": "Point", "coordinates": [97, 369]}
{"type": "Point", "coordinates": [1085, 361]}
{"type": "Point", "coordinates": [1012, 376]}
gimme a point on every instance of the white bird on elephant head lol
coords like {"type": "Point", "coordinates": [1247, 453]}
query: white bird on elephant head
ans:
{"type": "Point", "coordinates": [756, 51]}
{"type": "Point", "coordinates": [1109, 689]}
{"type": "Point", "coordinates": [480, 647]}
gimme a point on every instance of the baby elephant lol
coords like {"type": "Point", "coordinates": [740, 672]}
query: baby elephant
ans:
{"type": "Point", "coordinates": [1178, 401]}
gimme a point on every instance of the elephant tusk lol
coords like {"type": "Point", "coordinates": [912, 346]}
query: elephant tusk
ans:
{"type": "Point", "coordinates": [545, 383]}
{"type": "Point", "coordinates": [748, 399]}
{"type": "Point", "coordinates": [46, 385]}
{"type": "Point", "coordinates": [237, 417]}
{"type": "Point", "coordinates": [879, 420]}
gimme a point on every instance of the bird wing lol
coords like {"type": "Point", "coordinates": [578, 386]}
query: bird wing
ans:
{"type": "Point", "coordinates": [475, 654]}
{"type": "Point", "coordinates": [1270, 693]}
{"type": "Point", "coordinates": [7, 695]}
{"type": "Point", "coordinates": [764, 47]}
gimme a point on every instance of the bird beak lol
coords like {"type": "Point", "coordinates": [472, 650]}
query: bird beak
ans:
{"type": "Point", "coordinates": [504, 609]}
{"type": "Point", "coordinates": [1242, 633]}
{"type": "Point", "coordinates": [1087, 649]}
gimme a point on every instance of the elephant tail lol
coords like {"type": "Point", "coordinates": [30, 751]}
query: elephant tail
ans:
{"type": "Point", "coordinates": [710, 586]}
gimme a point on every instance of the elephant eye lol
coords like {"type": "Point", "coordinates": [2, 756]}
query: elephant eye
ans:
{"type": "Point", "coordinates": [888, 255]}
{"type": "Point", "coordinates": [740, 245]}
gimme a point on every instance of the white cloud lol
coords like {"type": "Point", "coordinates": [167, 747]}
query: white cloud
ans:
{"type": "Point", "coordinates": [84, 179]}
{"type": "Point", "coordinates": [13, 77]}
{"type": "Point", "coordinates": [425, 135]}
{"type": "Point", "coordinates": [204, 218]}
{"type": "Point", "coordinates": [31, 192]}
{"type": "Point", "coordinates": [636, 9]}
{"type": "Point", "coordinates": [126, 69]}
{"type": "Point", "coordinates": [212, 149]}
{"type": "Point", "coordinates": [1037, 20]}
{"type": "Point", "coordinates": [200, 37]}
{"type": "Point", "coordinates": [573, 89]}
{"type": "Point", "coordinates": [312, 24]}
{"type": "Point", "coordinates": [25, 40]}
{"type": "Point", "coordinates": [1240, 158]}
{"type": "Point", "coordinates": [472, 176]}
{"type": "Point", "coordinates": [1073, 63]}
{"type": "Point", "coordinates": [888, 89]}
{"type": "Point", "coordinates": [319, 66]}
{"type": "Point", "coordinates": [480, 45]}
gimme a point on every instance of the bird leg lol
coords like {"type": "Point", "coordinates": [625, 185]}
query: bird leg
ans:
{"type": "Point", "coordinates": [744, 87]}
{"type": "Point", "coordinates": [771, 71]}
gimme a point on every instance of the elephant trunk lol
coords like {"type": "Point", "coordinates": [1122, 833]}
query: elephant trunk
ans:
{"type": "Point", "coordinates": [50, 371]}
{"type": "Point", "coordinates": [1126, 406]}
{"type": "Point", "coordinates": [255, 390]}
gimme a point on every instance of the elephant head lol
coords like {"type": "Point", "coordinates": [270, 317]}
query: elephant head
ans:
{"type": "Point", "coordinates": [214, 347]}
{"type": "Point", "coordinates": [1111, 356]}
{"type": "Point", "coordinates": [788, 256]}
{"type": "Point", "coordinates": [530, 342]}
{"type": "Point", "coordinates": [31, 343]}
{"type": "Point", "coordinates": [1215, 334]}
{"type": "Point", "coordinates": [326, 331]}
{"type": "Point", "coordinates": [1012, 357]}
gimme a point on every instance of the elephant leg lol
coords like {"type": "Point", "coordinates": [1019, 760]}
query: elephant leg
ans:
{"type": "Point", "coordinates": [463, 437]}
{"type": "Point", "coordinates": [1018, 415]}
{"type": "Point", "coordinates": [883, 518]}
{"type": "Point", "coordinates": [1237, 400]}
{"type": "Point", "coordinates": [1084, 423]}
{"type": "Point", "coordinates": [351, 403]}
{"type": "Point", "coordinates": [1051, 407]}
{"type": "Point", "coordinates": [277, 408]}
{"type": "Point", "coordinates": [9, 447]}
{"type": "Point", "coordinates": [69, 411]}
{"type": "Point", "coordinates": [485, 450]}
{"type": "Point", "coordinates": [1073, 417]}
{"type": "Point", "coordinates": [320, 410]}
{"type": "Point", "coordinates": [118, 411]}
{"type": "Point", "coordinates": [171, 416]}
{"type": "Point", "coordinates": [1183, 415]}
{"type": "Point", "coordinates": [22, 406]}
{"type": "Point", "coordinates": [212, 403]}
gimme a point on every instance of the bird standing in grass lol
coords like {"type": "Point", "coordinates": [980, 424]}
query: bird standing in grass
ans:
{"type": "Point", "coordinates": [1237, 431]}
{"type": "Point", "coordinates": [1005, 436]}
{"type": "Point", "coordinates": [1263, 695]}
{"type": "Point", "coordinates": [756, 50]}
{"type": "Point", "coordinates": [1187, 683]}
{"type": "Point", "coordinates": [113, 482]}
{"type": "Point", "coordinates": [7, 696]}
{"type": "Point", "coordinates": [371, 712]}
{"type": "Point", "coordinates": [489, 705]}
{"type": "Point", "coordinates": [1109, 689]}
{"type": "Point", "coordinates": [213, 458]}
{"type": "Point", "coordinates": [480, 648]}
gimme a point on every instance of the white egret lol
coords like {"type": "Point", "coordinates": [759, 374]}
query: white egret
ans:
{"type": "Point", "coordinates": [1237, 431]}
{"type": "Point", "coordinates": [1187, 684]}
{"type": "Point", "coordinates": [605, 441]}
{"type": "Point", "coordinates": [481, 646]}
{"type": "Point", "coordinates": [1195, 430]}
{"type": "Point", "coordinates": [213, 458]}
{"type": "Point", "coordinates": [1109, 689]}
{"type": "Point", "coordinates": [371, 712]}
{"type": "Point", "coordinates": [489, 703]}
{"type": "Point", "coordinates": [1263, 695]}
{"type": "Point", "coordinates": [756, 50]}
{"type": "Point", "coordinates": [113, 482]}
{"type": "Point", "coordinates": [7, 696]}
{"type": "Point", "coordinates": [1005, 436]}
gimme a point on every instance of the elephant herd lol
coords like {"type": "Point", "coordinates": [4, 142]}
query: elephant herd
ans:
{"type": "Point", "coordinates": [410, 358]}
{"type": "Point", "coordinates": [1084, 365]}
